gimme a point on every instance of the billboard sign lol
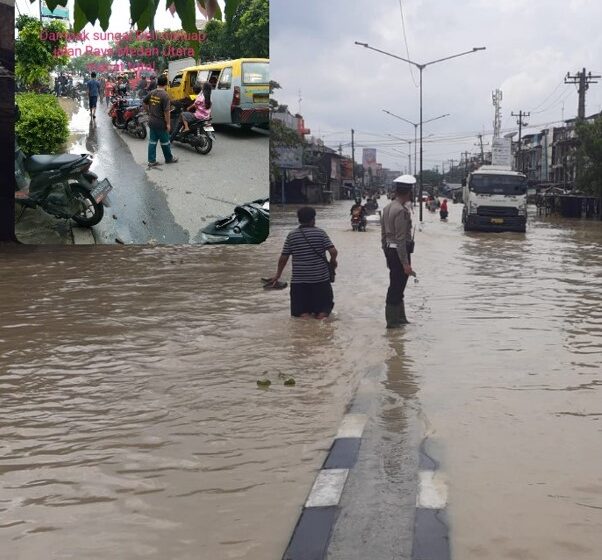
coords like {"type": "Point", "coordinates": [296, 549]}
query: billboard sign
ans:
{"type": "Point", "coordinates": [501, 152]}
{"type": "Point", "coordinates": [289, 158]}
{"type": "Point", "coordinates": [58, 13]}
{"type": "Point", "coordinates": [369, 158]}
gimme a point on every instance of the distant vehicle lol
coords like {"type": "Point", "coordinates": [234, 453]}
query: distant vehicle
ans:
{"type": "Point", "coordinates": [241, 89]}
{"type": "Point", "coordinates": [495, 199]}
{"type": "Point", "coordinates": [174, 66]}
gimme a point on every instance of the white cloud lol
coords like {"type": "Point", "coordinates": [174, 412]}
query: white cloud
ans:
{"type": "Point", "coordinates": [531, 45]}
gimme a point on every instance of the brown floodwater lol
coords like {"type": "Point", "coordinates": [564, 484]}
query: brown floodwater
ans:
{"type": "Point", "coordinates": [131, 425]}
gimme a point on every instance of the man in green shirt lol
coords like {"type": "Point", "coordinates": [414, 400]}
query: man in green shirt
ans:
{"type": "Point", "coordinates": [156, 104]}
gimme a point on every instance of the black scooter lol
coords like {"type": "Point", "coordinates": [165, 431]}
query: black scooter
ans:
{"type": "Point", "coordinates": [201, 135]}
{"type": "Point", "coordinates": [62, 185]}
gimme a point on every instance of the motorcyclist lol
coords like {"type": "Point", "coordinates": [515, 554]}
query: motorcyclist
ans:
{"type": "Point", "coordinates": [371, 205]}
{"type": "Point", "coordinates": [359, 211]}
{"type": "Point", "coordinates": [201, 106]}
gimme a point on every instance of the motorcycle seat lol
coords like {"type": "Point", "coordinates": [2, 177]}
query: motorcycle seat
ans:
{"type": "Point", "coordinates": [36, 164]}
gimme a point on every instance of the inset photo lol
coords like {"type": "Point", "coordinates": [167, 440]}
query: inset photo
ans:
{"type": "Point", "coordinates": [142, 126]}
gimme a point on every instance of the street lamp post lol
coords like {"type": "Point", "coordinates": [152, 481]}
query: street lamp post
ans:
{"type": "Point", "coordinates": [415, 125]}
{"type": "Point", "coordinates": [420, 67]}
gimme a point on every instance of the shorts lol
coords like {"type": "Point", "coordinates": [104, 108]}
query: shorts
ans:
{"type": "Point", "coordinates": [188, 116]}
{"type": "Point", "coordinates": [93, 99]}
{"type": "Point", "coordinates": [311, 298]}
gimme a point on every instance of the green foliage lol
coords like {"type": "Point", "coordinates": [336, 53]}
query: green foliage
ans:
{"type": "Point", "coordinates": [142, 12]}
{"type": "Point", "coordinates": [218, 44]}
{"type": "Point", "coordinates": [43, 125]}
{"type": "Point", "coordinates": [246, 34]}
{"type": "Point", "coordinates": [252, 29]}
{"type": "Point", "coordinates": [34, 58]}
{"type": "Point", "coordinates": [160, 62]}
{"type": "Point", "coordinates": [590, 156]}
{"type": "Point", "coordinates": [281, 137]}
{"type": "Point", "coordinates": [430, 177]}
{"type": "Point", "coordinates": [81, 63]}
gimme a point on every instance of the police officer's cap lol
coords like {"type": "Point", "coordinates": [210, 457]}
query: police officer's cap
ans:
{"type": "Point", "coordinates": [404, 183]}
{"type": "Point", "coordinates": [405, 180]}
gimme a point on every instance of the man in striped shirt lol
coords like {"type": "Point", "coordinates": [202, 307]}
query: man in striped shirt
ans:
{"type": "Point", "coordinates": [311, 291]}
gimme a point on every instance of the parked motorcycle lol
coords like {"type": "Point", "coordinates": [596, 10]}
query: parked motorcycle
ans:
{"type": "Point", "coordinates": [201, 135]}
{"type": "Point", "coordinates": [62, 185]}
{"type": "Point", "coordinates": [127, 114]}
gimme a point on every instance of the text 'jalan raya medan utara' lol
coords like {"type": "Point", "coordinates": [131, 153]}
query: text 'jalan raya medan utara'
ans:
{"type": "Point", "coordinates": [140, 50]}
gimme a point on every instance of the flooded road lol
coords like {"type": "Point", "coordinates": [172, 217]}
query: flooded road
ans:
{"type": "Point", "coordinates": [132, 426]}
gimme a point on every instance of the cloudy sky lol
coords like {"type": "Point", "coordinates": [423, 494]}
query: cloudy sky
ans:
{"type": "Point", "coordinates": [531, 45]}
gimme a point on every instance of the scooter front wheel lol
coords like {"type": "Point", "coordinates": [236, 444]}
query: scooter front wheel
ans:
{"type": "Point", "coordinates": [90, 212]}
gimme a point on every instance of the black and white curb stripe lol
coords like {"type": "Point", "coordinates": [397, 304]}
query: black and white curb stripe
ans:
{"type": "Point", "coordinates": [312, 533]}
{"type": "Point", "coordinates": [431, 531]}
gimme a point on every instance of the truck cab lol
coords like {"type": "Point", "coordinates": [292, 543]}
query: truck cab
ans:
{"type": "Point", "coordinates": [495, 199]}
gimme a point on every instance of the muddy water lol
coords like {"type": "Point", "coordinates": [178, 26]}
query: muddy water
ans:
{"type": "Point", "coordinates": [511, 385]}
{"type": "Point", "coordinates": [132, 425]}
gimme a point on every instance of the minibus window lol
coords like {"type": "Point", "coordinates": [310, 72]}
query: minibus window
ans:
{"type": "Point", "coordinates": [225, 80]}
{"type": "Point", "coordinates": [255, 73]}
{"type": "Point", "coordinates": [177, 80]}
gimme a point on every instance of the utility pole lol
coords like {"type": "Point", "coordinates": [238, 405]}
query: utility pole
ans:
{"type": "Point", "coordinates": [451, 167]}
{"type": "Point", "coordinates": [353, 157]}
{"type": "Point", "coordinates": [520, 124]}
{"type": "Point", "coordinates": [583, 80]}
{"type": "Point", "coordinates": [466, 163]}
{"type": "Point", "coordinates": [482, 152]}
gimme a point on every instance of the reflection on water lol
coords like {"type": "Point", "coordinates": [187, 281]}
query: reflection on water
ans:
{"type": "Point", "coordinates": [511, 386]}
{"type": "Point", "coordinates": [131, 424]}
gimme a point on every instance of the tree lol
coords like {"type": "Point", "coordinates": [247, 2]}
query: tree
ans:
{"type": "Point", "coordinates": [86, 62]}
{"type": "Point", "coordinates": [251, 29]}
{"type": "Point", "coordinates": [589, 156]}
{"type": "Point", "coordinates": [162, 45]}
{"type": "Point", "coordinates": [281, 137]}
{"type": "Point", "coordinates": [142, 12]}
{"type": "Point", "coordinates": [35, 58]}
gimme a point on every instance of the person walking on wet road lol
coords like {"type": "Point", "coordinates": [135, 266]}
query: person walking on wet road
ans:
{"type": "Point", "coordinates": [156, 104]}
{"type": "Point", "coordinates": [311, 290]}
{"type": "Point", "coordinates": [93, 86]}
{"type": "Point", "coordinates": [397, 243]}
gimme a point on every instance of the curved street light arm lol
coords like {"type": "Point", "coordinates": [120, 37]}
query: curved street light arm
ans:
{"type": "Point", "coordinates": [400, 118]}
{"type": "Point", "coordinates": [367, 46]}
{"type": "Point", "coordinates": [436, 118]}
{"type": "Point", "coordinates": [474, 49]}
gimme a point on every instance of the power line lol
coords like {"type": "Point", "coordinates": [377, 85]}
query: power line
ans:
{"type": "Point", "coordinates": [548, 97]}
{"type": "Point", "coordinates": [405, 40]}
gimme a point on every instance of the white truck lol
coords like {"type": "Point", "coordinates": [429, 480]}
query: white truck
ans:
{"type": "Point", "coordinates": [495, 199]}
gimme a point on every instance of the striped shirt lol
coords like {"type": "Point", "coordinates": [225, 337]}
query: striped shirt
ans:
{"type": "Point", "coordinates": [309, 266]}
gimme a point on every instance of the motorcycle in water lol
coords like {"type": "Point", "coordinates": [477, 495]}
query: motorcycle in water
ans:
{"type": "Point", "coordinates": [62, 185]}
{"type": "Point", "coordinates": [200, 136]}
{"type": "Point", "coordinates": [127, 114]}
{"type": "Point", "coordinates": [249, 223]}
{"type": "Point", "coordinates": [358, 221]}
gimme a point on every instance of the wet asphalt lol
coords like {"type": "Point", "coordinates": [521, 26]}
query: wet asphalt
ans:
{"type": "Point", "coordinates": [139, 212]}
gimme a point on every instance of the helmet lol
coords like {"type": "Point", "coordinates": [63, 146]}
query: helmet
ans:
{"type": "Point", "coordinates": [405, 180]}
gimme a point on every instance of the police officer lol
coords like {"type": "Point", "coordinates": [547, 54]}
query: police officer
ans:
{"type": "Point", "coordinates": [397, 243]}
